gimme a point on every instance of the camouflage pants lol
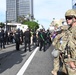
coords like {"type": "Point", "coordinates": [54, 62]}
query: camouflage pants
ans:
{"type": "Point", "coordinates": [56, 64]}
{"type": "Point", "coordinates": [71, 71]}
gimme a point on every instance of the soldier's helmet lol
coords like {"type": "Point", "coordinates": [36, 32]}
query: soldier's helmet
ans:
{"type": "Point", "coordinates": [70, 12]}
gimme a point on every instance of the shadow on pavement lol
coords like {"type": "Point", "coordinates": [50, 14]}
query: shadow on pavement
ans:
{"type": "Point", "coordinates": [9, 59]}
{"type": "Point", "coordinates": [9, 46]}
{"type": "Point", "coordinates": [31, 48]}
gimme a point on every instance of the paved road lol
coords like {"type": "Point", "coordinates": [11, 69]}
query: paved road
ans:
{"type": "Point", "coordinates": [42, 63]}
{"type": "Point", "coordinates": [12, 61]}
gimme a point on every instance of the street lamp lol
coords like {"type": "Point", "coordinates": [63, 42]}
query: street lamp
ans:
{"type": "Point", "coordinates": [6, 21]}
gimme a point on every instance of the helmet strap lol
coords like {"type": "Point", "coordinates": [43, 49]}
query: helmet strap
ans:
{"type": "Point", "coordinates": [73, 21]}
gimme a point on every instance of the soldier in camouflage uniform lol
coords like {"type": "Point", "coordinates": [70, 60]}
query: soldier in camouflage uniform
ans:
{"type": "Point", "coordinates": [70, 16]}
{"type": "Point", "coordinates": [68, 37]}
{"type": "Point", "coordinates": [59, 43]}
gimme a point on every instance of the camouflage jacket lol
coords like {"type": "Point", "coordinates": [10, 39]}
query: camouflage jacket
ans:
{"type": "Point", "coordinates": [60, 40]}
{"type": "Point", "coordinates": [72, 41]}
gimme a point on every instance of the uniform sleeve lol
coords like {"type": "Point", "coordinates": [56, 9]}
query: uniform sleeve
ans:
{"type": "Point", "coordinates": [56, 39]}
{"type": "Point", "coordinates": [74, 32]}
{"type": "Point", "coordinates": [72, 42]}
{"type": "Point", "coordinates": [56, 42]}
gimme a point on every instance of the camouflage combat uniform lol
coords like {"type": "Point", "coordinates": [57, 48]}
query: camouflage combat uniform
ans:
{"type": "Point", "coordinates": [70, 62]}
{"type": "Point", "coordinates": [68, 44]}
{"type": "Point", "coordinates": [60, 43]}
{"type": "Point", "coordinates": [72, 47]}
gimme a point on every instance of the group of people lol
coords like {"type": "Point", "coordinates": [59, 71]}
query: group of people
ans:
{"type": "Point", "coordinates": [44, 39]}
{"type": "Point", "coordinates": [64, 43]}
{"type": "Point", "coordinates": [65, 47]}
{"type": "Point", "coordinates": [21, 37]}
{"type": "Point", "coordinates": [6, 38]}
{"type": "Point", "coordinates": [40, 38]}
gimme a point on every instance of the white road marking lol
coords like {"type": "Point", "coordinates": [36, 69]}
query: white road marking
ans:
{"type": "Point", "coordinates": [24, 67]}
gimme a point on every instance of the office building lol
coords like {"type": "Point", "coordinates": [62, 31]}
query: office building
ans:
{"type": "Point", "coordinates": [18, 8]}
{"type": "Point", "coordinates": [73, 4]}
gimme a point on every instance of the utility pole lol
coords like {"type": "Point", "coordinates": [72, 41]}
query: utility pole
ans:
{"type": "Point", "coordinates": [6, 21]}
{"type": "Point", "coordinates": [32, 14]}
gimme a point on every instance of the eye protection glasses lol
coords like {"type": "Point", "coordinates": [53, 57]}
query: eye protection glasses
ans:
{"type": "Point", "coordinates": [68, 17]}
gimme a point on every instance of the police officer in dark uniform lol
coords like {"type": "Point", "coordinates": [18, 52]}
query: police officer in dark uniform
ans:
{"type": "Point", "coordinates": [17, 39]}
{"type": "Point", "coordinates": [38, 38]}
{"type": "Point", "coordinates": [2, 39]}
{"type": "Point", "coordinates": [42, 36]}
{"type": "Point", "coordinates": [6, 37]}
{"type": "Point", "coordinates": [34, 38]}
{"type": "Point", "coordinates": [48, 38]}
{"type": "Point", "coordinates": [21, 36]}
{"type": "Point", "coordinates": [27, 38]}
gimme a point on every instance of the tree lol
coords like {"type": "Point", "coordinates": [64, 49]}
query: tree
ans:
{"type": "Point", "coordinates": [2, 24]}
{"type": "Point", "coordinates": [32, 25]}
{"type": "Point", "coordinates": [20, 19]}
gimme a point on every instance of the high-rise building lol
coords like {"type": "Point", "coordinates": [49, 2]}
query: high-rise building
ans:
{"type": "Point", "coordinates": [18, 8]}
{"type": "Point", "coordinates": [73, 4]}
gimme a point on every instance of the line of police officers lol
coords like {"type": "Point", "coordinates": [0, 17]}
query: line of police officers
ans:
{"type": "Point", "coordinates": [40, 39]}
{"type": "Point", "coordinates": [65, 47]}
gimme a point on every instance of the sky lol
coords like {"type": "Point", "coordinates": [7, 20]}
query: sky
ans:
{"type": "Point", "coordinates": [44, 10]}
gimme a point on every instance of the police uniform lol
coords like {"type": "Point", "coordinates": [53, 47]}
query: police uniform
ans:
{"type": "Point", "coordinates": [42, 39]}
{"type": "Point", "coordinates": [49, 41]}
{"type": "Point", "coordinates": [34, 38]}
{"type": "Point", "coordinates": [2, 39]}
{"type": "Point", "coordinates": [17, 39]}
{"type": "Point", "coordinates": [27, 39]}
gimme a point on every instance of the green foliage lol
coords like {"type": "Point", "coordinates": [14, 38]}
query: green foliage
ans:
{"type": "Point", "coordinates": [31, 24]}
{"type": "Point", "coordinates": [2, 24]}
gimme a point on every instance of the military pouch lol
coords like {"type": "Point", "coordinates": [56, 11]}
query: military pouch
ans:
{"type": "Point", "coordinates": [55, 53]}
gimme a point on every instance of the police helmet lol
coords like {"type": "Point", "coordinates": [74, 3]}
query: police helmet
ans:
{"type": "Point", "coordinates": [70, 12]}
